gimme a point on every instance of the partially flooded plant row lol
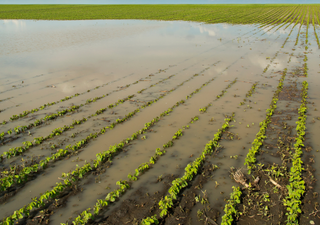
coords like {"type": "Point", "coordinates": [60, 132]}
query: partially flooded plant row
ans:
{"type": "Point", "coordinates": [196, 142]}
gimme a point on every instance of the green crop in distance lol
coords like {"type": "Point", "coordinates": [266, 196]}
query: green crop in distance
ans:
{"type": "Point", "coordinates": [235, 14]}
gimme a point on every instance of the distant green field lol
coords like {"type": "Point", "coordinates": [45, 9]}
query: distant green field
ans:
{"type": "Point", "coordinates": [237, 14]}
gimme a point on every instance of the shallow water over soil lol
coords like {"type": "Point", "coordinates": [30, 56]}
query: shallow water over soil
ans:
{"type": "Point", "coordinates": [158, 62]}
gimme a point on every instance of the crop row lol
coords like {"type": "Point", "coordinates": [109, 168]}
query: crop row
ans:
{"type": "Point", "coordinates": [296, 186]}
{"type": "Point", "coordinates": [191, 170]}
{"type": "Point", "coordinates": [260, 136]}
{"type": "Point", "coordinates": [290, 31]}
{"type": "Point", "coordinates": [270, 17]}
{"type": "Point", "coordinates": [230, 207]}
{"type": "Point", "coordinates": [278, 18]}
{"type": "Point", "coordinates": [250, 92]}
{"type": "Point", "coordinates": [305, 66]}
{"type": "Point", "coordinates": [314, 28]}
{"type": "Point", "coordinates": [315, 33]}
{"type": "Point", "coordinates": [294, 14]}
{"type": "Point", "coordinates": [297, 39]}
{"type": "Point", "coordinates": [273, 58]}
{"type": "Point", "coordinates": [307, 29]}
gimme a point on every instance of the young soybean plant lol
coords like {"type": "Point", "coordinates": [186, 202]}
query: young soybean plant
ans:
{"type": "Point", "coordinates": [230, 207]}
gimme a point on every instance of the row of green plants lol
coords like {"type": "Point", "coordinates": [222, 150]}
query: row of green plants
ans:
{"type": "Point", "coordinates": [191, 170]}
{"type": "Point", "coordinates": [56, 132]}
{"type": "Point", "coordinates": [249, 93]}
{"type": "Point", "coordinates": [20, 129]}
{"type": "Point", "coordinates": [297, 39]}
{"type": "Point", "coordinates": [291, 22]}
{"type": "Point", "coordinates": [204, 109]}
{"type": "Point", "coordinates": [259, 18]}
{"type": "Point", "coordinates": [260, 136]}
{"type": "Point", "coordinates": [240, 17]}
{"type": "Point", "coordinates": [271, 17]}
{"type": "Point", "coordinates": [305, 66]}
{"type": "Point", "coordinates": [252, 89]}
{"type": "Point", "coordinates": [235, 196]}
{"type": "Point", "coordinates": [27, 112]}
{"type": "Point", "coordinates": [307, 29]}
{"type": "Point", "coordinates": [294, 14]}
{"type": "Point", "coordinates": [265, 21]}
{"type": "Point", "coordinates": [273, 58]}
{"type": "Point", "coordinates": [315, 33]}
{"type": "Point", "coordinates": [314, 30]}
{"type": "Point", "coordinates": [230, 208]}
{"type": "Point", "coordinates": [291, 29]}
{"type": "Point", "coordinates": [278, 18]}
{"type": "Point", "coordinates": [79, 172]}
{"type": "Point", "coordinates": [296, 186]}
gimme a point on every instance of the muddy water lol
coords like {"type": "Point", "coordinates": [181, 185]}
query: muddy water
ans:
{"type": "Point", "coordinates": [44, 61]}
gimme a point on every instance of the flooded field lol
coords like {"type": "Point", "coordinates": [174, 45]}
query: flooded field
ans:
{"type": "Point", "coordinates": [129, 122]}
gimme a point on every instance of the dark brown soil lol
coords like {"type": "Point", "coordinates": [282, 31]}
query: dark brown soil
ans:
{"type": "Point", "coordinates": [137, 206]}
{"type": "Point", "coordinates": [263, 203]}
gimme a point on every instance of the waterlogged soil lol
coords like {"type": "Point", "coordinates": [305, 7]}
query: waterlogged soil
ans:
{"type": "Point", "coordinates": [141, 205]}
{"type": "Point", "coordinates": [202, 72]}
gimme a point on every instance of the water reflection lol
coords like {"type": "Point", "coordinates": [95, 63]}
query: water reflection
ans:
{"type": "Point", "coordinates": [13, 24]}
{"type": "Point", "coordinates": [73, 50]}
